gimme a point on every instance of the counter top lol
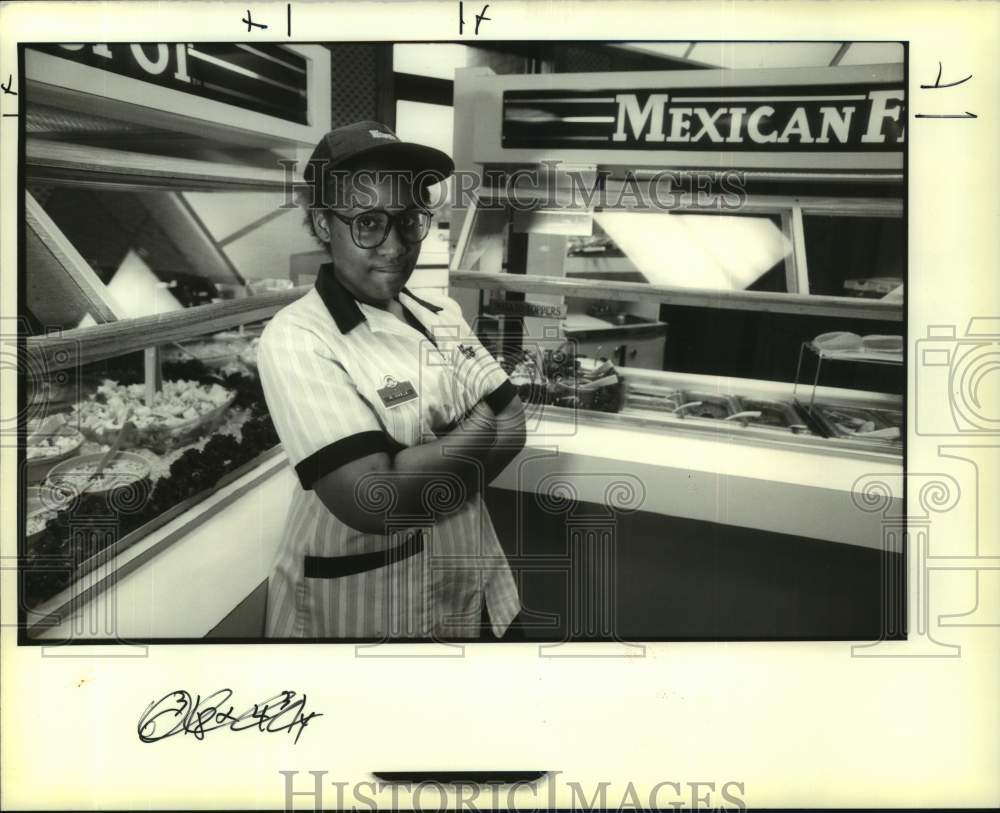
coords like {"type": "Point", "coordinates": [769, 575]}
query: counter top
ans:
{"type": "Point", "coordinates": [717, 478]}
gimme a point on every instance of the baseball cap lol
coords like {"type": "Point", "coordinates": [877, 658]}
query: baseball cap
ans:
{"type": "Point", "coordinates": [346, 146]}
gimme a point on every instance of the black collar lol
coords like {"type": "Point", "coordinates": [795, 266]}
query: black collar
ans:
{"type": "Point", "coordinates": [341, 303]}
{"type": "Point", "coordinates": [419, 301]}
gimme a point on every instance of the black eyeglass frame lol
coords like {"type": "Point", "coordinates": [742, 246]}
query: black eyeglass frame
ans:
{"type": "Point", "coordinates": [389, 224]}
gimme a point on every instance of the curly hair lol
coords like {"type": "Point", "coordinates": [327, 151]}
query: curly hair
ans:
{"type": "Point", "coordinates": [305, 200]}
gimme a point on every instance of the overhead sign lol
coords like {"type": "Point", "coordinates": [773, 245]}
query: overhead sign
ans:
{"type": "Point", "coordinates": [774, 119]}
{"type": "Point", "coordinates": [263, 78]}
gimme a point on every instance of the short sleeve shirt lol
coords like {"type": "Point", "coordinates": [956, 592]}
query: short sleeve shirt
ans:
{"type": "Point", "coordinates": [344, 380]}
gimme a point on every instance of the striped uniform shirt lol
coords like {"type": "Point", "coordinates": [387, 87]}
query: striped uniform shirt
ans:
{"type": "Point", "coordinates": [343, 380]}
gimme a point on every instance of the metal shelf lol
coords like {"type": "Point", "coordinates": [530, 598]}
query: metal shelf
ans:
{"type": "Point", "coordinates": [861, 357]}
{"type": "Point", "coordinates": [758, 301]}
{"type": "Point", "coordinates": [88, 344]}
{"type": "Point", "coordinates": [854, 357]}
{"type": "Point", "coordinates": [60, 163]}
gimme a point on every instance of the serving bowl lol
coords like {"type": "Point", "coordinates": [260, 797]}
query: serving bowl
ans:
{"type": "Point", "coordinates": [75, 476]}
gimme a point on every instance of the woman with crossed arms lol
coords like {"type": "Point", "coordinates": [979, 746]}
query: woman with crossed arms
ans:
{"type": "Point", "coordinates": [393, 415]}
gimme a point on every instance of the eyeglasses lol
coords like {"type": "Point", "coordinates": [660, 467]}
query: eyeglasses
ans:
{"type": "Point", "coordinates": [371, 228]}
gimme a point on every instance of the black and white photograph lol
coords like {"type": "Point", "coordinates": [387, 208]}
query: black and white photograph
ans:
{"type": "Point", "coordinates": [433, 405]}
{"type": "Point", "coordinates": [374, 341]}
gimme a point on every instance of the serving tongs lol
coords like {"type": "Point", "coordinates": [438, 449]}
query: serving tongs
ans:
{"type": "Point", "coordinates": [744, 417]}
{"type": "Point", "coordinates": [606, 381]}
{"type": "Point", "coordinates": [681, 411]}
{"type": "Point", "coordinates": [109, 455]}
{"type": "Point", "coordinates": [602, 370]}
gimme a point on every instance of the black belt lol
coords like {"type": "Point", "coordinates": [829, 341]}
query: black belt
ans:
{"type": "Point", "coordinates": [333, 567]}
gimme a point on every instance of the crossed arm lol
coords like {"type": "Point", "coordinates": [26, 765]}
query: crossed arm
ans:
{"type": "Point", "coordinates": [476, 451]}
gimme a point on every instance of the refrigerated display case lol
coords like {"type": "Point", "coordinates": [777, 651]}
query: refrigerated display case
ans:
{"type": "Point", "coordinates": [129, 437]}
{"type": "Point", "coordinates": [158, 241]}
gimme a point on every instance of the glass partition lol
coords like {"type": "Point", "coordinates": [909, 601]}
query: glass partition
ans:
{"type": "Point", "coordinates": [855, 256]}
{"type": "Point", "coordinates": [680, 249]}
{"type": "Point", "coordinates": [143, 252]}
{"type": "Point", "coordinates": [806, 247]}
{"type": "Point", "coordinates": [695, 320]}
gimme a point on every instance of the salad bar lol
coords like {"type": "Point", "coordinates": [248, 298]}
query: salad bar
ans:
{"type": "Point", "coordinates": [138, 464]}
{"type": "Point", "coordinates": [178, 413]}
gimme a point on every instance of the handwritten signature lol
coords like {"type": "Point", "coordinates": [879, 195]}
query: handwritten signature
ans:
{"type": "Point", "coordinates": [179, 713]}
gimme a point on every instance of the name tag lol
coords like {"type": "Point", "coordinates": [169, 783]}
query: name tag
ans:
{"type": "Point", "coordinates": [396, 392]}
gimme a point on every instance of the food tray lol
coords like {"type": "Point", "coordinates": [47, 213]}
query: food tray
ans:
{"type": "Point", "coordinates": [609, 398]}
{"type": "Point", "coordinates": [837, 419]}
{"type": "Point", "coordinates": [774, 414]}
{"type": "Point", "coordinates": [659, 401]}
{"type": "Point", "coordinates": [160, 437]}
{"type": "Point", "coordinates": [38, 466]}
{"type": "Point", "coordinates": [710, 407]}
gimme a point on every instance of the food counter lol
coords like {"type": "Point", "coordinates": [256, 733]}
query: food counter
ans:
{"type": "Point", "coordinates": [154, 256]}
{"type": "Point", "coordinates": [760, 478]}
{"type": "Point", "coordinates": [126, 450]}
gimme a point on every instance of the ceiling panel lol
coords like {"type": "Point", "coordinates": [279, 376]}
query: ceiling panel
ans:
{"type": "Point", "coordinates": [872, 53]}
{"type": "Point", "coordinates": [743, 55]}
{"type": "Point", "coordinates": [432, 59]}
{"type": "Point", "coordinates": [675, 50]}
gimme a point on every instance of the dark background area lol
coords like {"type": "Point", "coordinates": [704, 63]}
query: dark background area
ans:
{"type": "Point", "coordinates": [687, 579]}
{"type": "Point", "coordinates": [745, 344]}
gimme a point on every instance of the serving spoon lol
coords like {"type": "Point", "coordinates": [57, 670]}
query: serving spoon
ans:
{"type": "Point", "coordinates": [109, 455]}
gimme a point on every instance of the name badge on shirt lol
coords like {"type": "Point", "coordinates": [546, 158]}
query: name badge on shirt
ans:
{"type": "Point", "coordinates": [396, 392]}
